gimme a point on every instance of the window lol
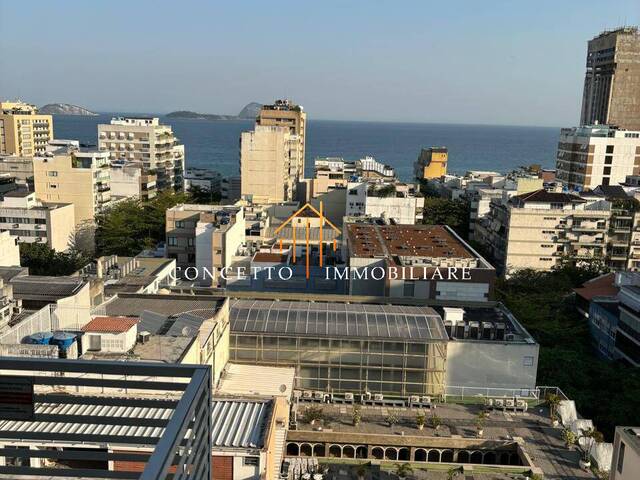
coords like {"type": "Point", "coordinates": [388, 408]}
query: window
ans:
{"type": "Point", "coordinates": [609, 148]}
{"type": "Point", "coordinates": [620, 463]}
{"type": "Point", "coordinates": [409, 288]}
{"type": "Point", "coordinates": [52, 173]}
{"type": "Point", "coordinates": [605, 180]}
{"type": "Point", "coordinates": [527, 361]}
{"type": "Point", "coordinates": [172, 241]}
{"type": "Point", "coordinates": [179, 223]}
{"type": "Point", "coordinates": [607, 171]}
{"type": "Point", "coordinates": [608, 159]}
{"type": "Point", "coordinates": [190, 242]}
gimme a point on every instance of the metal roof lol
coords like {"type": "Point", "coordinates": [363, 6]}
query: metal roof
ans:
{"type": "Point", "coordinates": [135, 304]}
{"type": "Point", "coordinates": [42, 286]}
{"type": "Point", "coordinates": [239, 423]}
{"type": "Point", "coordinates": [336, 320]}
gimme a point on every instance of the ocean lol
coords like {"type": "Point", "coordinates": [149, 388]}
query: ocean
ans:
{"type": "Point", "coordinates": [215, 144]}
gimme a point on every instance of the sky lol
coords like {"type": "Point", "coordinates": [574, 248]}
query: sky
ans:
{"type": "Point", "coordinates": [472, 62]}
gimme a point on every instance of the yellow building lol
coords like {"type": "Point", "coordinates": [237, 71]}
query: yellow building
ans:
{"type": "Point", "coordinates": [431, 163]}
{"type": "Point", "coordinates": [69, 175]}
{"type": "Point", "coordinates": [22, 130]}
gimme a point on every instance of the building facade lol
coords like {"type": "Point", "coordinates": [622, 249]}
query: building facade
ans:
{"type": "Point", "coordinates": [270, 164]}
{"type": "Point", "coordinates": [400, 202]}
{"type": "Point", "coordinates": [431, 163]}
{"type": "Point", "coordinates": [23, 131]}
{"type": "Point", "coordinates": [31, 221]}
{"type": "Point", "coordinates": [69, 175]}
{"type": "Point", "coordinates": [129, 180]}
{"type": "Point", "coordinates": [611, 93]}
{"type": "Point", "coordinates": [147, 141]}
{"type": "Point", "coordinates": [597, 155]}
{"type": "Point", "coordinates": [626, 454]}
{"type": "Point", "coordinates": [284, 113]}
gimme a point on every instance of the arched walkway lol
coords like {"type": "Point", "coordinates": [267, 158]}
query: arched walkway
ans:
{"type": "Point", "coordinates": [505, 458]}
{"type": "Point", "coordinates": [446, 456]}
{"type": "Point", "coordinates": [476, 457]}
{"type": "Point", "coordinates": [391, 454]}
{"type": "Point", "coordinates": [515, 459]}
{"type": "Point", "coordinates": [293, 450]}
{"type": "Point", "coordinates": [348, 452]}
{"type": "Point", "coordinates": [306, 450]}
{"type": "Point", "coordinates": [420, 455]}
{"type": "Point", "coordinates": [361, 452]}
{"type": "Point", "coordinates": [463, 456]}
{"type": "Point", "coordinates": [489, 458]}
{"type": "Point", "coordinates": [434, 456]}
{"type": "Point", "coordinates": [404, 454]}
{"type": "Point", "coordinates": [377, 453]}
{"type": "Point", "coordinates": [335, 451]}
{"type": "Point", "coordinates": [318, 450]}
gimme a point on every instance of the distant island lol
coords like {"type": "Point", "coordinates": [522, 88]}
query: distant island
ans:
{"type": "Point", "coordinates": [65, 109]}
{"type": "Point", "coordinates": [250, 111]}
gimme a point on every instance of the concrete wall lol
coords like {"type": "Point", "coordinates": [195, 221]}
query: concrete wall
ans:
{"type": "Point", "coordinates": [9, 250]}
{"type": "Point", "coordinates": [491, 364]}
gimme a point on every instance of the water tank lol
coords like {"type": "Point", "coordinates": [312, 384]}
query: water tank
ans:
{"type": "Point", "coordinates": [41, 338]}
{"type": "Point", "coordinates": [63, 339]}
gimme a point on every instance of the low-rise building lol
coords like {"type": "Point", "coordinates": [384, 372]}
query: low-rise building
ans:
{"type": "Point", "coordinates": [398, 202]}
{"type": "Point", "coordinates": [129, 180]}
{"type": "Point", "coordinates": [31, 221]}
{"type": "Point", "coordinates": [415, 261]}
{"type": "Point", "coordinates": [207, 180]}
{"type": "Point", "coordinates": [21, 168]}
{"type": "Point", "coordinates": [9, 250]}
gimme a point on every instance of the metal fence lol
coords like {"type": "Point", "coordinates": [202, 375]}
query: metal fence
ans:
{"type": "Point", "coordinates": [167, 431]}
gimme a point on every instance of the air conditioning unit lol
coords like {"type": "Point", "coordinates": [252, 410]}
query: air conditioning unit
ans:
{"type": "Point", "coordinates": [414, 399]}
{"type": "Point", "coordinates": [378, 397]}
{"type": "Point", "coordinates": [318, 395]}
{"type": "Point", "coordinates": [348, 396]}
{"type": "Point", "coordinates": [144, 336]}
{"type": "Point", "coordinates": [307, 394]}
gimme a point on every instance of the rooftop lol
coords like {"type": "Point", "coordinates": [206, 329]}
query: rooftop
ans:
{"type": "Point", "coordinates": [35, 286]}
{"type": "Point", "coordinates": [371, 240]}
{"type": "Point", "coordinates": [542, 196]}
{"type": "Point", "coordinates": [126, 304]}
{"type": "Point", "coordinates": [602, 286]}
{"type": "Point", "coordinates": [240, 423]}
{"type": "Point", "coordinates": [335, 319]}
{"type": "Point", "coordinates": [256, 380]}
{"type": "Point", "coordinates": [110, 324]}
{"type": "Point", "coordinates": [162, 348]}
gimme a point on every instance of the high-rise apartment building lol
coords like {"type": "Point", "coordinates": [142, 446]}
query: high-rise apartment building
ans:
{"type": "Point", "coordinates": [270, 166]}
{"type": "Point", "coordinates": [597, 155]}
{"type": "Point", "coordinates": [71, 175]}
{"type": "Point", "coordinates": [612, 82]}
{"type": "Point", "coordinates": [431, 163]}
{"type": "Point", "coordinates": [23, 131]}
{"type": "Point", "coordinates": [284, 113]}
{"type": "Point", "coordinates": [145, 140]}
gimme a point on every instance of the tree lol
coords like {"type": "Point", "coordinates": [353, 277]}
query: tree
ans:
{"type": "Point", "coordinates": [42, 260]}
{"type": "Point", "coordinates": [442, 211]}
{"type": "Point", "coordinates": [553, 400]}
{"type": "Point", "coordinates": [312, 415]}
{"type": "Point", "coordinates": [203, 196]}
{"type": "Point", "coordinates": [403, 469]}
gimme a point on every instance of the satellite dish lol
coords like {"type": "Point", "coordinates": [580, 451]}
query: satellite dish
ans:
{"type": "Point", "coordinates": [283, 388]}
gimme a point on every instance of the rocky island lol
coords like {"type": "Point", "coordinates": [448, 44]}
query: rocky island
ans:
{"type": "Point", "coordinates": [65, 109]}
{"type": "Point", "coordinates": [250, 111]}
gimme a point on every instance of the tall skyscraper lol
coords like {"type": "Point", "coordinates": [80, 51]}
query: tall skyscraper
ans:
{"type": "Point", "coordinates": [612, 82]}
{"type": "Point", "coordinates": [284, 113]}
{"type": "Point", "coordinates": [23, 131]}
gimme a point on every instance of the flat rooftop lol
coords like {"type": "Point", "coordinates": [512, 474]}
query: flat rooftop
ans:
{"type": "Point", "coordinates": [256, 380]}
{"type": "Point", "coordinates": [371, 240]}
{"type": "Point", "coordinates": [126, 304]}
{"type": "Point", "coordinates": [161, 348]}
{"type": "Point", "coordinates": [334, 319]}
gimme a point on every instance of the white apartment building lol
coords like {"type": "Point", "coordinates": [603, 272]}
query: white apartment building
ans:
{"type": "Point", "coordinates": [146, 140]}
{"type": "Point", "coordinates": [270, 164]}
{"type": "Point", "coordinates": [597, 155]}
{"type": "Point", "coordinates": [534, 230]}
{"type": "Point", "coordinates": [208, 180]}
{"type": "Point", "coordinates": [9, 250]}
{"type": "Point", "coordinates": [626, 454]}
{"type": "Point", "coordinates": [399, 202]}
{"type": "Point", "coordinates": [31, 221]}
{"type": "Point", "coordinates": [129, 180]}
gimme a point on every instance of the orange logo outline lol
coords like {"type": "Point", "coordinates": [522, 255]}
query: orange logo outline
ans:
{"type": "Point", "coordinates": [323, 219]}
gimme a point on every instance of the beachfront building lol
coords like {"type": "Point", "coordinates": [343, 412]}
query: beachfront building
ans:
{"type": "Point", "coordinates": [611, 93]}
{"type": "Point", "coordinates": [145, 140]}
{"type": "Point", "coordinates": [535, 230]}
{"type": "Point", "coordinates": [23, 131]}
{"type": "Point", "coordinates": [595, 155]}
{"type": "Point", "coordinates": [68, 174]}
{"type": "Point", "coordinates": [270, 164]}
{"type": "Point", "coordinates": [31, 221]}
{"type": "Point", "coordinates": [431, 163]}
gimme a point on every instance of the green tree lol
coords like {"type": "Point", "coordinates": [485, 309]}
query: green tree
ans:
{"type": "Point", "coordinates": [42, 260]}
{"type": "Point", "coordinates": [442, 211]}
{"type": "Point", "coordinates": [203, 196]}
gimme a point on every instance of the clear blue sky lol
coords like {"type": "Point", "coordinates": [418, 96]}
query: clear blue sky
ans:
{"type": "Point", "coordinates": [494, 62]}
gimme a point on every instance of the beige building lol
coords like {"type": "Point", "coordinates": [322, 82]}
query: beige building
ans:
{"type": "Point", "coordinates": [31, 221]}
{"type": "Point", "coordinates": [270, 166]}
{"type": "Point", "coordinates": [129, 180]}
{"type": "Point", "coordinates": [21, 168]}
{"type": "Point", "coordinates": [611, 93]}
{"type": "Point", "coordinates": [284, 113]}
{"type": "Point", "coordinates": [22, 130]}
{"type": "Point", "coordinates": [147, 141]}
{"type": "Point", "coordinates": [9, 250]}
{"type": "Point", "coordinates": [204, 239]}
{"type": "Point", "coordinates": [626, 454]}
{"type": "Point", "coordinates": [535, 230]}
{"type": "Point", "coordinates": [597, 155]}
{"type": "Point", "coordinates": [70, 175]}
